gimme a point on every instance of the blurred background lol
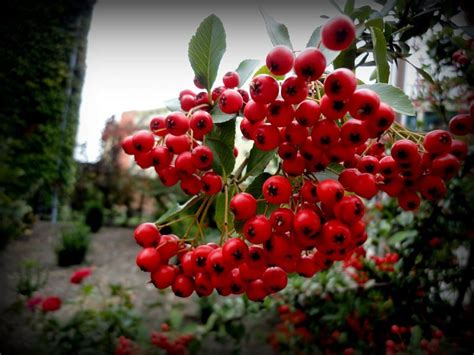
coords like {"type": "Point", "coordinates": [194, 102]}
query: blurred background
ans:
{"type": "Point", "coordinates": [78, 77]}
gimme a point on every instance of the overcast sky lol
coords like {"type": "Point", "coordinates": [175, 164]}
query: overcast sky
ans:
{"type": "Point", "coordinates": [137, 51]}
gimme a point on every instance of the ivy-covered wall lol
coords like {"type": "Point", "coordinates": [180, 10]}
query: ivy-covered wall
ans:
{"type": "Point", "coordinates": [42, 65]}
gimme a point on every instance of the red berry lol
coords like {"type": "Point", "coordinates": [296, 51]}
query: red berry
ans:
{"type": "Point", "coordinates": [235, 251]}
{"type": "Point", "coordinates": [280, 60]}
{"type": "Point", "coordinates": [332, 109]}
{"type": "Point", "coordinates": [353, 133]}
{"type": "Point", "coordinates": [203, 284]}
{"type": "Point", "coordinates": [257, 229]}
{"type": "Point", "coordinates": [184, 164]}
{"type": "Point", "coordinates": [147, 235]}
{"type": "Point", "coordinates": [158, 126]}
{"type": "Point", "coordinates": [309, 191]}
{"type": "Point", "coordinates": [382, 121]}
{"type": "Point", "coordinates": [216, 92]}
{"type": "Point", "coordinates": [256, 290]}
{"type": "Point", "coordinates": [255, 112]}
{"type": "Point", "coordinates": [230, 101]}
{"type": "Point", "coordinates": [364, 104]}
{"type": "Point", "coordinates": [201, 123]}
{"type": "Point", "coordinates": [340, 84]}
{"type": "Point", "coordinates": [404, 150]}
{"type": "Point", "coordinates": [330, 192]}
{"type": "Point", "coordinates": [282, 220]}
{"type": "Point", "coordinates": [187, 102]}
{"type": "Point", "coordinates": [128, 146]}
{"type": "Point", "coordinates": [163, 276]}
{"type": "Point", "coordinates": [280, 113]}
{"type": "Point", "coordinates": [267, 137]}
{"type": "Point", "coordinates": [169, 176]}
{"type": "Point", "coordinates": [388, 166]}
{"type": "Point", "coordinates": [231, 79]}
{"type": "Point", "coordinates": [310, 64]}
{"type": "Point", "coordinates": [148, 259]}
{"type": "Point", "coordinates": [275, 279]}
{"type": "Point", "coordinates": [461, 124]}
{"type": "Point", "coordinates": [366, 186]}
{"type": "Point", "coordinates": [243, 205]}
{"type": "Point", "coordinates": [168, 246]}
{"type": "Point", "coordinates": [368, 164]}
{"type": "Point", "coordinates": [432, 187]}
{"type": "Point", "coordinates": [143, 141]}
{"type": "Point", "coordinates": [178, 144]}
{"type": "Point", "coordinates": [211, 183]}
{"type": "Point", "coordinates": [307, 223]}
{"type": "Point", "coordinates": [264, 89]}
{"type": "Point", "coordinates": [216, 264]}
{"type": "Point", "coordinates": [277, 190]}
{"type": "Point", "coordinates": [294, 90]}
{"type": "Point", "coordinates": [459, 149]}
{"type": "Point", "coordinates": [308, 113]}
{"type": "Point", "coordinates": [161, 157]}
{"type": "Point", "coordinates": [437, 141]}
{"type": "Point", "coordinates": [177, 123]}
{"type": "Point", "coordinates": [446, 166]}
{"type": "Point", "coordinates": [349, 210]}
{"type": "Point", "coordinates": [202, 157]}
{"type": "Point", "coordinates": [287, 151]}
{"type": "Point", "coordinates": [183, 286]}
{"type": "Point", "coordinates": [249, 129]}
{"type": "Point", "coordinates": [191, 185]}
{"type": "Point", "coordinates": [338, 33]}
{"type": "Point", "coordinates": [325, 133]}
{"type": "Point", "coordinates": [144, 160]}
{"type": "Point", "coordinates": [294, 166]}
{"type": "Point", "coordinates": [408, 200]}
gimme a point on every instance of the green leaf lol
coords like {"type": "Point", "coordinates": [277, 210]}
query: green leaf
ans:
{"type": "Point", "coordinates": [346, 58]}
{"type": "Point", "coordinates": [255, 188]}
{"type": "Point", "coordinates": [422, 72]}
{"type": "Point", "coordinates": [221, 142]}
{"type": "Point", "coordinates": [336, 5]}
{"type": "Point", "coordinates": [258, 161]}
{"type": "Point", "coordinates": [176, 319]}
{"type": "Point", "coordinates": [349, 7]}
{"type": "Point", "coordinates": [246, 69]}
{"type": "Point", "coordinates": [219, 215]}
{"type": "Point", "coordinates": [264, 70]}
{"type": "Point", "coordinates": [392, 96]}
{"type": "Point", "coordinates": [401, 236]}
{"type": "Point", "coordinates": [277, 32]}
{"type": "Point", "coordinates": [315, 38]}
{"type": "Point", "coordinates": [219, 117]}
{"type": "Point", "coordinates": [173, 104]}
{"type": "Point", "coordinates": [206, 49]}
{"type": "Point", "coordinates": [375, 22]}
{"type": "Point", "coordinates": [176, 210]}
{"type": "Point", "coordinates": [362, 13]}
{"type": "Point", "coordinates": [380, 55]}
{"type": "Point", "coordinates": [416, 335]}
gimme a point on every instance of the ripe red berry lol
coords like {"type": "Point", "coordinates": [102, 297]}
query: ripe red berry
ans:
{"type": "Point", "coordinates": [201, 123]}
{"type": "Point", "coordinates": [308, 113]}
{"type": "Point", "coordinates": [256, 290]}
{"type": "Point", "coordinates": [382, 121]}
{"type": "Point", "coordinates": [184, 164]}
{"type": "Point", "coordinates": [294, 166]}
{"type": "Point", "coordinates": [437, 141]}
{"type": "Point", "coordinates": [310, 64]}
{"type": "Point", "coordinates": [148, 259]}
{"type": "Point", "coordinates": [177, 123]}
{"type": "Point", "coordinates": [277, 190]}
{"type": "Point", "coordinates": [287, 151]}
{"type": "Point", "coordinates": [264, 89]}
{"type": "Point", "coordinates": [280, 113]}
{"type": "Point", "coordinates": [364, 104]}
{"type": "Point", "coordinates": [275, 279]}
{"type": "Point", "coordinates": [191, 184]}
{"type": "Point", "coordinates": [230, 101]}
{"type": "Point", "coordinates": [294, 90]}
{"type": "Point", "coordinates": [368, 164]}
{"type": "Point", "coordinates": [235, 251]}
{"type": "Point", "coordinates": [183, 286]}
{"type": "Point", "coordinates": [161, 157]}
{"type": "Point", "coordinates": [243, 205]}
{"type": "Point", "coordinates": [216, 264]}
{"type": "Point", "coordinates": [203, 284]}
{"type": "Point", "coordinates": [257, 229]}
{"type": "Point", "coordinates": [330, 192]}
{"type": "Point", "coordinates": [408, 200]}
{"type": "Point", "coordinates": [267, 137]}
{"type": "Point", "coordinates": [282, 220]}
{"type": "Point", "coordinates": [306, 223]}
{"type": "Point", "coordinates": [335, 237]}
{"type": "Point", "coordinates": [349, 210]}
{"type": "Point", "coordinates": [255, 111]}
{"type": "Point", "coordinates": [353, 133]}
{"type": "Point", "coordinates": [128, 146]}
{"type": "Point", "coordinates": [459, 149]}
{"type": "Point", "coordinates": [211, 183]}
{"type": "Point", "coordinates": [169, 176]}
{"type": "Point", "coordinates": [249, 129]}
{"type": "Point", "coordinates": [163, 276]}
{"type": "Point", "coordinates": [280, 60]}
{"type": "Point", "coordinates": [446, 166]}
{"type": "Point", "coordinates": [340, 84]}
{"type": "Point", "coordinates": [202, 157]}
{"type": "Point", "coordinates": [178, 144]}
{"type": "Point", "coordinates": [158, 126]}
{"type": "Point", "coordinates": [144, 160]}
{"type": "Point", "coordinates": [388, 166]}
{"type": "Point", "coordinates": [432, 187]}
{"type": "Point", "coordinates": [332, 109]}
{"type": "Point", "coordinates": [216, 92]}
{"type": "Point", "coordinates": [143, 141]}
{"type": "Point", "coordinates": [147, 235]}
{"type": "Point", "coordinates": [404, 150]}
{"type": "Point", "coordinates": [187, 102]}
{"type": "Point", "coordinates": [325, 133]}
{"type": "Point", "coordinates": [231, 79]}
{"type": "Point", "coordinates": [338, 33]}
{"type": "Point", "coordinates": [461, 124]}
{"type": "Point", "coordinates": [309, 191]}
{"type": "Point", "coordinates": [168, 246]}
{"type": "Point", "coordinates": [365, 186]}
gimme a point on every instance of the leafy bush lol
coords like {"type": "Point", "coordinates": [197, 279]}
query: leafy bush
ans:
{"type": "Point", "coordinates": [73, 244]}
{"type": "Point", "coordinates": [94, 216]}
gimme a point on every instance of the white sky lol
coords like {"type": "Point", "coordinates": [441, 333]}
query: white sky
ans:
{"type": "Point", "coordinates": [137, 56]}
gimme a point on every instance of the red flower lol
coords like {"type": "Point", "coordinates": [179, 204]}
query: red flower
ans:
{"type": "Point", "coordinates": [33, 302]}
{"type": "Point", "coordinates": [51, 304]}
{"type": "Point", "coordinates": [80, 275]}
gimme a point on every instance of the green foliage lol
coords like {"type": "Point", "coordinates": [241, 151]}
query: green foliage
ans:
{"type": "Point", "coordinates": [258, 161]}
{"type": "Point", "coordinates": [206, 49]}
{"type": "Point", "coordinates": [94, 216]}
{"type": "Point", "coordinates": [221, 142]}
{"type": "Point", "coordinates": [277, 32]}
{"type": "Point", "coordinates": [245, 70]}
{"type": "Point", "coordinates": [73, 244]}
{"type": "Point", "coordinates": [392, 96]}
{"type": "Point", "coordinates": [40, 94]}
{"type": "Point", "coordinates": [380, 54]}
{"type": "Point", "coordinates": [31, 277]}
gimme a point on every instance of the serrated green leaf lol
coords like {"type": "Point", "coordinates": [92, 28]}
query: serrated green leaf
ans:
{"type": "Point", "coordinates": [380, 54]}
{"type": "Point", "coordinates": [219, 215]}
{"type": "Point", "coordinates": [277, 32]}
{"type": "Point", "coordinates": [220, 117]}
{"type": "Point", "coordinates": [176, 210]}
{"type": "Point", "coordinates": [206, 49]}
{"type": "Point", "coordinates": [264, 70]}
{"type": "Point", "coordinates": [258, 161]}
{"type": "Point", "coordinates": [246, 69]}
{"type": "Point", "coordinates": [221, 142]}
{"type": "Point", "coordinates": [173, 104]}
{"type": "Point", "coordinates": [392, 96]}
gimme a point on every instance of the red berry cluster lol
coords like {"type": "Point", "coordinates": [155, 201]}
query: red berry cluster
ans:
{"type": "Point", "coordinates": [177, 346]}
{"type": "Point", "coordinates": [291, 327]}
{"type": "Point", "coordinates": [402, 335]}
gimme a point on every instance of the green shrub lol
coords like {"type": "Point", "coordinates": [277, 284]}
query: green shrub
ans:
{"type": "Point", "coordinates": [94, 216]}
{"type": "Point", "coordinates": [73, 244]}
